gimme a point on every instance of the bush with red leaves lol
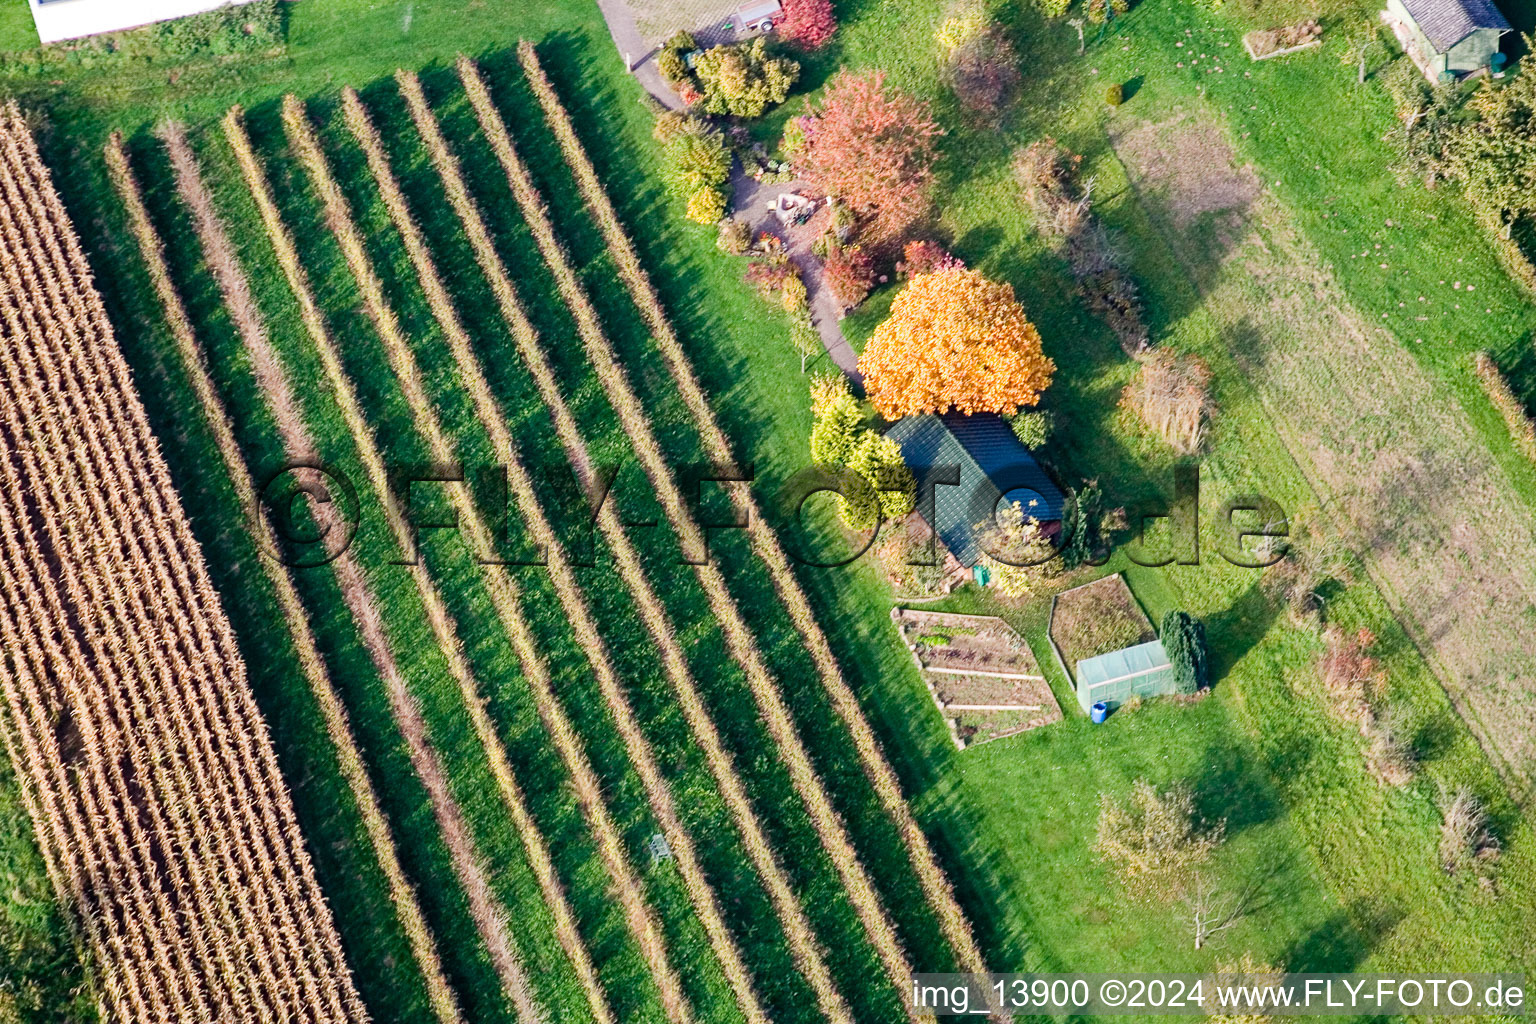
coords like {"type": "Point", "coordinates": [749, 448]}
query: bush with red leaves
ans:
{"type": "Point", "coordinates": [924, 257]}
{"type": "Point", "coordinates": [850, 274]}
{"type": "Point", "coordinates": [808, 24]}
{"type": "Point", "coordinates": [873, 146]}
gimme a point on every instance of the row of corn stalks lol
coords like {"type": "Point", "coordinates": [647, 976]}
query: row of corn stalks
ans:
{"type": "Point", "coordinates": [155, 768]}
{"type": "Point", "coordinates": [882, 777]}
{"type": "Point", "coordinates": [802, 942]}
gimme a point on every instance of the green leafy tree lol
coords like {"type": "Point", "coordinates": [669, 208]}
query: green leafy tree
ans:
{"type": "Point", "coordinates": [892, 488]}
{"type": "Point", "coordinates": [696, 158]}
{"type": "Point", "coordinates": [1184, 642]}
{"type": "Point", "coordinates": [1494, 156]}
{"type": "Point", "coordinates": [877, 483]}
{"type": "Point", "coordinates": [838, 424]}
{"type": "Point", "coordinates": [1364, 44]}
{"type": "Point", "coordinates": [743, 80]}
{"type": "Point", "coordinates": [805, 337]}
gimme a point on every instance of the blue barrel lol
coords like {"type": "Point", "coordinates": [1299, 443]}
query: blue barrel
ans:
{"type": "Point", "coordinates": [1098, 713]}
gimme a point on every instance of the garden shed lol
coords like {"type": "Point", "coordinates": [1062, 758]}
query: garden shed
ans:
{"type": "Point", "coordinates": [1142, 671]}
{"type": "Point", "coordinates": [990, 463]}
{"type": "Point", "coordinates": [1447, 37]}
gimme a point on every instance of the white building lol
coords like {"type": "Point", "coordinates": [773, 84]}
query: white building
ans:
{"type": "Point", "coordinates": [71, 19]}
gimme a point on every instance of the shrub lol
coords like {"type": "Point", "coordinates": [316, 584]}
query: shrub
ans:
{"type": "Point", "coordinates": [1307, 566]}
{"type": "Point", "coordinates": [808, 24]}
{"type": "Point", "coordinates": [1494, 155]}
{"type": "Point", "coordinates": [770, 267]}
{"type": "Point", "coordinates": [984, 72]}
{"type": "Point", "coordinates": [965, 21]}
{"type": "Point", "coordinates": [1350, 674]}
{"type": "Point", "coordinates": [1390, 756]}
{"type": "Point", "coordinates": [768, 278]}
{"type": "Point", "coordinates": [706, 206]}
{"type": "Point", "coordinates": [672, 66]}
{"type": "Point", "coordinates": [1183, 638]}
{"type": "Point", "coordinates": [838, 421]}
{"type": "Point", "coordinates": [696, 158]}
{"type": "Point", "coordinates": [882, 486]}
{"type": "Point", "coordinates": [1114, 296]}
{"type": "Point", "coordinates": [793, 295]}
{"type": "Point", "coordinates": [1053, 8]}
{"type": "Point", "coordinates": [1080, 525]}
{"type": "Point", "coordinates": [924, 257]}
{"type": "Point", "coordinates": [1172, 394]}
{"type": "Point", "coordinates": [734, 237]}
{"type": "Point", "coordinates": [896, 553]}
{"type": "Point", "coordinates": [1114, 95]}
{"type": "Point", "coordinates": [1157, 840]}
{"type": "Point", "coordinates": [742, 80]}
{"type": "Point", "coordinates": [849, 274]}
{"type": "Point", "coordinates": [892, 488]}
{"type": "Point", "coordinates": [793, 142]}
{"type": "Point", "coordinates": [1024, 555]}
{"type": "Point", "coordinates": [1242, 971]}
{"type": "Point", "coordinates": [670, 124]}
{"type": "Point", "coordinates": [1044, 173]}
{"type": "Point", "coordinates": [682, 42]}
{"type": "Point", "coordinates": [1032, 427]}
{"type": "Point", "coordinates": [1466, 844]}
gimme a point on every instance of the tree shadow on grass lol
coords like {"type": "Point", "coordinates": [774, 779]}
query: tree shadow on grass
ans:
{"type": "Point", "coordinates": [1343, 941]}
{"type": "Point", "coordinates": [1233, 788]}
{"type": "Point", "coordinates": [1241, 626]}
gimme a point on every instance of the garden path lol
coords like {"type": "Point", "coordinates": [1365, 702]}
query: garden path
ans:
{"type": "Point", "coordinates": [638, 55]}
{"type": "Point", "coordinates": [750, 205]}
{"type": "Point", "coordinates": [750, 197]}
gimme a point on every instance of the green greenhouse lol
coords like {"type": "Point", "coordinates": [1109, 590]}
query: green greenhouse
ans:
{"type": "Point", "coordinates": [1142, 671]}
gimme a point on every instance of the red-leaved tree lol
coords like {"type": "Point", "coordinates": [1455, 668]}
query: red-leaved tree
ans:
{"type": "Point", "coordinates": [872, 147]}
{"type": "Point", "coordinates": [808, 24]}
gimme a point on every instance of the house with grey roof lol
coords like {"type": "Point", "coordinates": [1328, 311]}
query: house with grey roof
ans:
{"type": "Point", "coordinates": [1447, 39]}
{"type": "Point", "coordinates": [965, 467]}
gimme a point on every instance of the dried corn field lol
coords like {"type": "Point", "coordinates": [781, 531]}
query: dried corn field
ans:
{"type": "Point", "coordinates": [596, 782]}
{"type": "Point", "coordinates": [157, 801]}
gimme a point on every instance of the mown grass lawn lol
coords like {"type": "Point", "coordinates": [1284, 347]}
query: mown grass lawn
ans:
{"type": "Point", "coordinates": [1317, 143]}
{"type": "Point", "coordinates": [1315, 139]}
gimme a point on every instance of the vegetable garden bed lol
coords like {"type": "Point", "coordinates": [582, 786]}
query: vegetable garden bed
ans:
{"type": "Point", "coordinates": [981, 674]}
{"type": "Point", "coordinates": [1097, 618]}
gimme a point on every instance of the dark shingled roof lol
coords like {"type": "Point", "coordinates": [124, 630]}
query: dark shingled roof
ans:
{"type": "Point", "coordinates": [1447, 22]}
{"type": "Point", "coordinates": [991, 462]}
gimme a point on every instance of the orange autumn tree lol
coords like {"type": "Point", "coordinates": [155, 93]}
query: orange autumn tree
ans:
{"type": "Point", "coordinates": [955, 340]}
